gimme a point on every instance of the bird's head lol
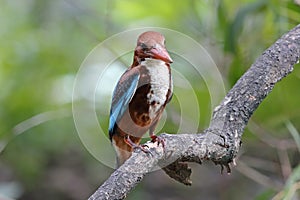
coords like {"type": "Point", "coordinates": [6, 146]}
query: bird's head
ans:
{"type": "Point", "coordinates": [152, 45]}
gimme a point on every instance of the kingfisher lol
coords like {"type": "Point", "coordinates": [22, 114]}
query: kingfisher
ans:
{"type": "Point", "coordinates": [140, 96]}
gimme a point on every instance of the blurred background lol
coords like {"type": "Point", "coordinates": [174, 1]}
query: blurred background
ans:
{"type": "Point", "coordinates": [43, 44]}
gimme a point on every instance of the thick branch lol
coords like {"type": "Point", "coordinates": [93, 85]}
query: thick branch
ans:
{"type": "Point", "coordinates": [221, 141]}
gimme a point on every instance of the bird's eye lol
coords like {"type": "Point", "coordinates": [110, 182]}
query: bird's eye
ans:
{"type": "Point", "coordinates": [144, 46]}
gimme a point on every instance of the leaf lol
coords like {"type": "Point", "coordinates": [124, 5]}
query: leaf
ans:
{"type": "Point", "coordinates": [294, 133]}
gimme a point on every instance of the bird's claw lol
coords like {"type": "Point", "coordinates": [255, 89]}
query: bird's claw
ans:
{"type": "Point", "coordinates": [142, 148]}
{"type": "Point", "coordinates": [137, 146]}
{"type": "Point", "coordinates": [158, 139]}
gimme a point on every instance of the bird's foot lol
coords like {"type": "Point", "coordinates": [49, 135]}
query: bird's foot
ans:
{"type": "Point", "coordinates": [158, 139]}
{"type": "Point", "coordinates": [137, 146]}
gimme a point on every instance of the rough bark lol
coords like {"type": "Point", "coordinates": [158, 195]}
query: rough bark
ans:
{"type": "Point", "coordinates": [220, 142]}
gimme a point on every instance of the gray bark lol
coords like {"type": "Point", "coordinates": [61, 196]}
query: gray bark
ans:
{"type": "Point", "coordinates": [221, 141]}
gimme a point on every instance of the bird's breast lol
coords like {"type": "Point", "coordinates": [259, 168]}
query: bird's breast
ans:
{"type": "Point", "coordinates": [159, 81]}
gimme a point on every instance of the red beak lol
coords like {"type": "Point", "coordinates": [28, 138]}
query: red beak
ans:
{"type": "Point", "coordinates": [161, 53]}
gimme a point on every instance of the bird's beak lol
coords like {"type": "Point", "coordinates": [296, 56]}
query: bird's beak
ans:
{"type": "Point", "coordinates": [161, 53]}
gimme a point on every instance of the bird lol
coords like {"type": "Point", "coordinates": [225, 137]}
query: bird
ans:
{"type": "Point", "coordinates": [140, 96]}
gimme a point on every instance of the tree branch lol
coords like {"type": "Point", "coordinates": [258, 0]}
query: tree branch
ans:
{"type": "Point", "coordinates": [220, 142]}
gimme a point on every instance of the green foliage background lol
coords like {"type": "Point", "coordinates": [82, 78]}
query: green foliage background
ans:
{"type": "Point", "coordinates": [42, 46]}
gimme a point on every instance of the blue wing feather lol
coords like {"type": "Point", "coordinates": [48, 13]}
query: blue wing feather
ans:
{"type": "Point", "coordinates": [122, 96]}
